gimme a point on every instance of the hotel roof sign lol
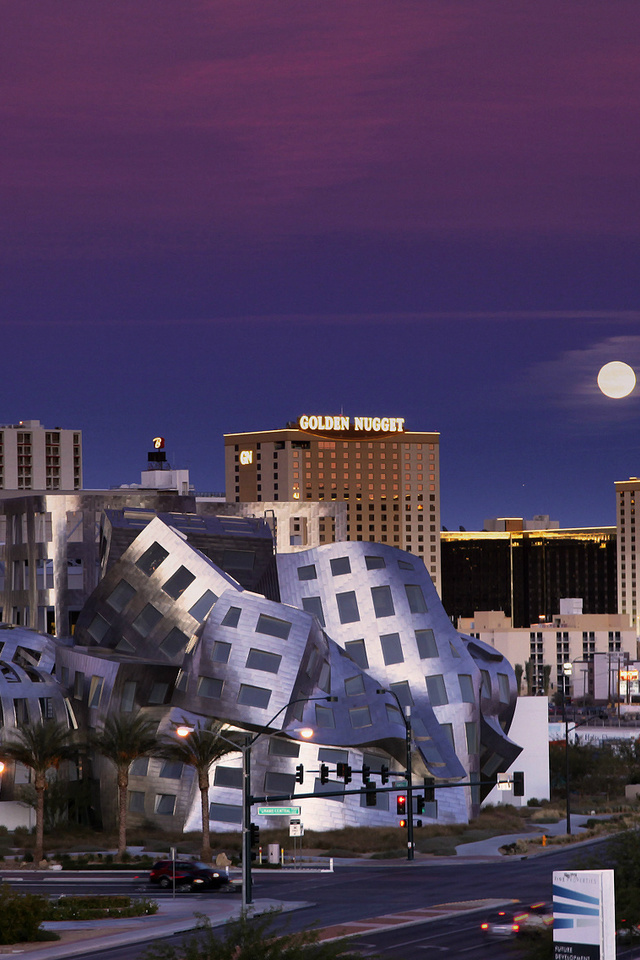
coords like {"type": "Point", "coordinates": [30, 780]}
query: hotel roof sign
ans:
{"type": "Point", "coordinates": [350, 428]}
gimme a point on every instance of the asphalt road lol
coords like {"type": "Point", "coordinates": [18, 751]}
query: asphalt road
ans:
{"type": "Point", "coordinates": [371, 889]}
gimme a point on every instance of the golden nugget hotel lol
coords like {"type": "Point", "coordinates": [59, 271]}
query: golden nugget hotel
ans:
{"type": "Point", "coordinates": [387, 475]}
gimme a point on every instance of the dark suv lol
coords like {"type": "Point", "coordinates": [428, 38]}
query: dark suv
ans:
{"type": "Point", "coordinates": [190, 875]}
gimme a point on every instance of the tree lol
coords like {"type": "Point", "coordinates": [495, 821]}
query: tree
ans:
{"type": "Point", "coordinates": [40, 747]}
{"type": "Point", "coordinates": [200, 749]}
{"type": "Point", "coordinates": [124, 738]}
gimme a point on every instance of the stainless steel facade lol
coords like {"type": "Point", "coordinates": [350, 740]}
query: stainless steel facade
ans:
{"type": "Point", "coordinates": [168, 631]}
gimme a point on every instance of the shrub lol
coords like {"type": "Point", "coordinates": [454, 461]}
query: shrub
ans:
{"type": "Point", "coordinates": [20, 915]}
{"type": "Point", "coordinates": [98, 907]}
{"type": "Point", "coordinates": [250, 939]}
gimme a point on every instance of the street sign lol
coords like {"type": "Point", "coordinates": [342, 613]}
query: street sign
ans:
{"type": "Point", "coordinates": [296, 829]}
{"type": "Point", "coordinates": [400, 784]}
{"type": "Point", "coordinates": [278, 811]}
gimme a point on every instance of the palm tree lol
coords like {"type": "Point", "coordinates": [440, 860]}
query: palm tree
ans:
{"type": "Point", "coordinates": [41, 747]}
{"type": "Point", "coordinates": [124, 738]}
{"type": "Point", "coordinates": [200, 749]}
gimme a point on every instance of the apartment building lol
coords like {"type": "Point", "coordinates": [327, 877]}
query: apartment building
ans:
{"type": "Point", "coordinates": [33, 457]}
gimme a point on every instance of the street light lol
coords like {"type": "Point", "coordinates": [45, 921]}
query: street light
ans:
{"type": "Point", "coordinates": [307, 733]}
{"type": "Point", "coordinates": [405, 713]}
{"type": "Point", "coordinates": [567, 670]}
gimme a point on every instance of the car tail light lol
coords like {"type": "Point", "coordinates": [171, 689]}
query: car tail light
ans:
{"type": "Point", "coordinates": [515, 927]}
{"type": "Point", "coordinates": [484, 926]}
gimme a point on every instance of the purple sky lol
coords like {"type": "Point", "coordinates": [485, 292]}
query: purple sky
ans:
{"type": "Point", "coordinates": [218, 215]}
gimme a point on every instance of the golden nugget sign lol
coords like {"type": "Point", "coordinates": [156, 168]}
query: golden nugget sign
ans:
{"type": "Point", "coordinates": [353, 427]}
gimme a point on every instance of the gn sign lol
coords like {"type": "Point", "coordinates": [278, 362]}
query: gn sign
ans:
{"type": "Point", "coordinates": [278, 811]}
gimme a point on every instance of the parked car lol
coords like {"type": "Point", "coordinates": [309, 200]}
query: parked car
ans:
{"type": "Point", "coordinates": [189, 875]}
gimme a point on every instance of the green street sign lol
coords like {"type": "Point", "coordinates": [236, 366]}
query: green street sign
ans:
{"type": "Point", "coordinates": [278, 811]}
{"type": "Point", "coordinates": [400, 784]}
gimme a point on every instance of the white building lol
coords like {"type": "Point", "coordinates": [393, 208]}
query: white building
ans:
{"type": "Point", "coordinates": [33, 457]}
{"type": "Point", "coordinates": [587, 641]}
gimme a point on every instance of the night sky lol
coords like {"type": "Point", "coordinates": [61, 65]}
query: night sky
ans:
{"type": "Point", "coordinates": [216, 215]}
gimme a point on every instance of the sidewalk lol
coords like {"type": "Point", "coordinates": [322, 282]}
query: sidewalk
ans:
{"type": "Point", "coordinates": [174, 916]}
{"type": "Point", "coordinates": [491, 847]}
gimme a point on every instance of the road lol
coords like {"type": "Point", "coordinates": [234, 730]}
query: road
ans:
{"type": "Point", "coordinates": [371, 889]}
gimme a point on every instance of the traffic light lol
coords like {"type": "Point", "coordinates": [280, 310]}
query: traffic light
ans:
{"type": "Point", "coordinates": [324, 773]}
{"type": "Point", "coordinates": [402, 823]}
{"type": "Point", "coordinates": [419, 804]}
{"type": "Point", "coordinates": [518, 783]}
{"type": "Point", "coordinates": [371, 794]}
{"type": "Point", "coordinates": [384, 774]}
{"type": "Point", "coordinates": [401, 805]}
{"type": "Point", "coordinates": [429, 790]}
{"type": "Point", "coordinates": [254, 834]}
{"type": "Point", "coordinates": [300, 773]}
{"type": "Point", "coordinates": [344, 770]}
{"type": "Point", "coordinates": [366, 773]}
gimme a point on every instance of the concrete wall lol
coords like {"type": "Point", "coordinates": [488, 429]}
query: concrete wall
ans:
{"type": "Point", "coordinates": [530, 730]}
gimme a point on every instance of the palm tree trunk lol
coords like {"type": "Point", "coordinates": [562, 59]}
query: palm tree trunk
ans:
{"type": "Point", "coordinates": [40, 785]}
{"type": "Point", "coordinates": [203, 783]}
{"type": "Point", "coordinates": [123, 783]}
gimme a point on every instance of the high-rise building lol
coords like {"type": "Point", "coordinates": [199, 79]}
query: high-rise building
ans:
{"type": "Point", "coordinates": [525, 573]}
{"type": "Point", "coordinates": [33, 457]}
{"type": "Point", "coordinates": [388, 477]}
{"type": "Point", "coordinates": [627, 492]}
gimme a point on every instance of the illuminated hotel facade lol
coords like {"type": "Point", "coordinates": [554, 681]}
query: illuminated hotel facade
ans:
{"type": "Point", "coordinates": [627, 496]}
{"type": "Point", "coordinates": [387, 476]}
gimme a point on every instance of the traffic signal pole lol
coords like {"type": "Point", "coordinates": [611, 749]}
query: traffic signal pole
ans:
{"type": "Point", "coordinates": [410, 844]}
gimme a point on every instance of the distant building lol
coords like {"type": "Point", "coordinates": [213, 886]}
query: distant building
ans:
{"type": "Point", "coordinates": [33, 457]}
{"type": "Point", "coordinates": [597, 646]}
{"type": "Point", "coordinates": [387, 476]}
{"type": "Point", "coordinates": [525, 573]}
{"type": "Point", "coordinates": [295, 525]}
{"type": "Point", "coordinates": [627, 492]}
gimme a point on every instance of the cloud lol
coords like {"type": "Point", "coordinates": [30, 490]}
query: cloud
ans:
{"type": "Point", "coordinates": [569, 382]}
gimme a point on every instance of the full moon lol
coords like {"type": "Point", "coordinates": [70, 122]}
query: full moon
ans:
{"type": "Point", "coordinates": [616, 379]}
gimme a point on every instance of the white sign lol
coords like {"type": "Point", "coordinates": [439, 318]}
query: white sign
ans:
{"type": "Point", "coordinates": [296, 829]}
{"type": "Point", "coordinates": [584, 915]}
{"type": "Point", "coordinates": [246, 457]}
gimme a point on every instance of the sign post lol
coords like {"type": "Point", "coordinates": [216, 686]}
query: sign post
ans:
{"type": "Point", "coordinates": [584, 925]}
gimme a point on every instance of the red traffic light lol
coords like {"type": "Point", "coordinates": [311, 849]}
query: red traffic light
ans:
{"type": "Point", "coordinates": [402, 823]}
{"type": "Point", "coordinates": [401, 805]}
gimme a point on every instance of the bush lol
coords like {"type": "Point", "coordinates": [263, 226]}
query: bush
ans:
{"type": "Point", "coordinates": [99, 907]}
{"type": "Point", "coordinates": [250, 939]}
{"type": "Point", "coordinates": [20, 915]}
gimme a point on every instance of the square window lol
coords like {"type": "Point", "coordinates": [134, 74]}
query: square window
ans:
{"type": "Point", "coordinates": [358, 652]}
{"type": "Point", "coordinates": [97, 628]}
{"type": "Point", "coordinates": [375, 563]}
{"type": "Point", "coordinates": [391, 648]}
{"type": "Point", "coordinates": [382, 601]}
{"type": "Point", "coordinates": [147, 620]}
{"type": "Point", "coordinates": [466, 688]}
{"type": "Point", "coordinates": [228, 777]}
{"type": "Point", "coordinates": [273, 627]}
{"type": "Point", "coordinates": [221, 652]}
{"type": "Point", "coordinates": [210, 687]}
{"type": "Point", "coordinates": [201, 607]}
{"type": "Point", "coordinates": [174, 643]}
{"type": "Point", "coordinates": [324, 717]}
{"type": "Point", "coordinates": [178, 583]}
{"type": "Point", "coordinates": [403, 691]}
{"type": "Point", "coordinates": [314, 605]}
{"type": "Point", "coordinates": [127, 700]}
{"type": "Point", "coordinates": [231, 617]}
{"type": "Point", "coordinates": [158, 692]}
{"type": "Point", "coordinates": [152, 558]}
{"type": "Point", "coordinates": [165, 804]}
{"type": "Point", "coordinates": [120, 596]}
{"type": "Point", "coordinates": [171, 770]}
{"type": "Point", "coordinates": [136, 801]}
{"type": "Point", "coordinates": [415, 596]}
{"type": "Point", "coordinates": [354, 686]}
{"type": "Point", "coordinates": [263, 660]}
{"type": "Point", "coordinates": [360, 717]}
{"type": "Point", "coordinates": [436, 690]}
{"type": "Point", "coordinates": [348, 607]}
{"type": "Point", "coordinates": [340, 566]}
{"type": "Point", "coordinates": [252, 696]}
{"type": "Point", "coordinates": [308, 572]}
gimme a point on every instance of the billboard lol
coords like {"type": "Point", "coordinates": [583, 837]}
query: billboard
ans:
{"type": "Point", "coordinates": [583, 915]}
